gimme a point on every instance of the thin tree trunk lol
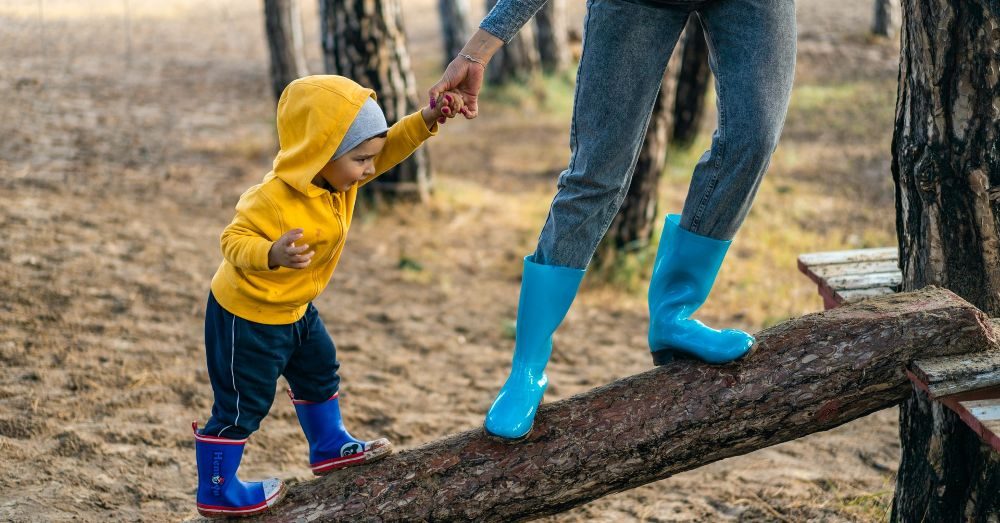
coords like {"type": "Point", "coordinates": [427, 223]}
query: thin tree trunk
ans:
{"type": "Point", "coordinates": [553, 36]}
{"type": "Point", "coordinates": [947, 171]}
{"type": "Point", "coordinates": [806, 375]}
{"type": "Point", "coordinates": [454, 26]}
{"type": "Point", "coordinates": [283, 24]}
{"type": "Point", "coordinates": [882, 22]}
{"type": "Point", "coordinates": [363, 40]}
{"type": "Point", "coordinates": [692, 84]}
{"type": "Point", "coordinates": [518, 61]}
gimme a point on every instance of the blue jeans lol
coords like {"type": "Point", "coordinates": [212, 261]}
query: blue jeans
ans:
{"type": "Point", "coordinates": [626, 46]}
{"type": "Point", "coordinates": [245, 359]}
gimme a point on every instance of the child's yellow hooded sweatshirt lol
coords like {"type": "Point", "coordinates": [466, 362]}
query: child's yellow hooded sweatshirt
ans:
{"type": "Point", "coordinates": [314, 114]}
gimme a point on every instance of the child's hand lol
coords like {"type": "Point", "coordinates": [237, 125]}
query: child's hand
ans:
{"type": "Point", "coordinates": [284, 252]}
{"type": "Point", "coordinates": [448, 105]}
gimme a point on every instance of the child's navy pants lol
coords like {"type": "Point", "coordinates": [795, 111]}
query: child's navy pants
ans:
{"type": "Point", "coordinates": [245, 359]}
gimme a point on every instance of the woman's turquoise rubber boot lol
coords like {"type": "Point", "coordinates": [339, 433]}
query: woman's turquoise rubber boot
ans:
{"type": "Point", "coordinates": [685, 269]}
{"type": "Point", "coordinates": [546, 294]}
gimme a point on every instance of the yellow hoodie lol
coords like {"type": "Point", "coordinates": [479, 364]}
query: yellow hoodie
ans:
{"type": "Point", "coordinates": [314, 114]}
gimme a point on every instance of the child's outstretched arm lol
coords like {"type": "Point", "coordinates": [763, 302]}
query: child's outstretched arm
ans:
{"type": "Point", "coordinates": [409, 133]}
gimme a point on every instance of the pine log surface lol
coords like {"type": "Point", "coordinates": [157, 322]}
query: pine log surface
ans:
{"type": "Point", "coordinates": [806, 375]}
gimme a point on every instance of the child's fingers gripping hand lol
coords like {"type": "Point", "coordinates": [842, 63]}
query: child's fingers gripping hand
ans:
{"type": "Point", "coordinates": [448, 105]}
{"type": "Point", "coordinates": [452, 103]}
{"type": "Point", "coordinates": [284, 252]}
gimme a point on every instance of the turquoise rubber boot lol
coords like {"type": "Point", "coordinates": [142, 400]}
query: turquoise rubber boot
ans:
{"type": "Point", "coordinates": [685, 269]}
{"type": "Point", "coordinates": [546, 293]}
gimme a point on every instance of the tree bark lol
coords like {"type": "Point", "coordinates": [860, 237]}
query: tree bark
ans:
{"type": "Point", "coordinates": [454, 26]}
{"type": "Point", "coordinates": [363, 40]}
{"type": "Point", "coordinates": [806, 375]}
{"type": "Point", "coordinates": [283, 25]}
{"type": "Point", "coordinates": [882, 22]}
{"type": "Point", "coordinates": [692, 84]}
{"type": "Point", "coordinates": [552, 36]}
{"type": "Point", "coordinates": [517, 61]}
{"type": "Point", "coordinates": [946, 167]}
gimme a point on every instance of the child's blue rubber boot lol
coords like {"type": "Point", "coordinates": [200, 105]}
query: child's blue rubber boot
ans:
{"type": "Point", "coordinates": [220, 492]}
{"type": "Point", "coordinates": [331, 447]}
{"type": "Point", "coordinates": [683, 275]}
{"type": "Point", "coordinates": [546, 294]}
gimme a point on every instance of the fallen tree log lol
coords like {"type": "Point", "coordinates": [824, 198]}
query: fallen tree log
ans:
{"type": "Point", "coordinates": [806, 375]}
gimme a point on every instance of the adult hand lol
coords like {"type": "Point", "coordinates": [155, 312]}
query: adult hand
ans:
{"type": "Point", "coordinates": [464, 77]}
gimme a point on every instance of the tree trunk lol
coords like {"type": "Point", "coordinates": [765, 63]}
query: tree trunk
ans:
{"type": "Point", "coordinates": [882, 22]}
{"type": "Point", "coordinates": [517, 61]}
{"type": "Point", "coordinates": [454, 26]}
{"type": "Point", "coordinates": [806, 375]}
{"type": "Point", "coordinates": [692, 84]}
{"type": "Point", "coordinates": [946, 167]}
{"type": "Point", "coordinates": [364, 41]}
{"type": "Point", "coordinates": [283, 24]}
{"type": "Point", "coordinates": [553, 36]}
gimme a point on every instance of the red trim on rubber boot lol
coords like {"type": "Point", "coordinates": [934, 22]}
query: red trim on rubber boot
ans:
{"type": "Point", "coordinates": [215, 439]}
{"type": "Point", "coordinates": [216, 511]}
{"type": "Point", "coordinates": [305, 402]}
{"type": "Point", "coordinates": [379, 449]}
{"type": "Point", "coordinates": [323, 467]}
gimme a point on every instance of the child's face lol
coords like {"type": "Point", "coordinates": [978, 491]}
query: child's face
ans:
{"type": "Point", "coordinates": [351, 168]}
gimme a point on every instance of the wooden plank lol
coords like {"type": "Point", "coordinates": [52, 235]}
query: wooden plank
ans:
{"type": "Point", "coordinates": [851, 256]}
{"type": "Point", "coordinates": [983, 416]}
{"type": "Point", "coordinates": [852, 296]}
{"type": "Point", "coordinates": [844, 269]}
{"type": "Point", "coordinates": [950, 375]}
{"type": "Point", "coordinates": [865, 281]}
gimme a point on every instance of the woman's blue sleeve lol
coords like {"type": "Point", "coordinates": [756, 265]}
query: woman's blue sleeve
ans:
{"type": "Point", "coordinates": [508, 16]}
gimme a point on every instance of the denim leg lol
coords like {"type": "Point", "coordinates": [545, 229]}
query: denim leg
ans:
{"type": "Point", "coordinates": [312, 370]}
{"type": "Point", "coordinates": [625, 51]}
{"type": "Point", "coordinates": [752, 47]}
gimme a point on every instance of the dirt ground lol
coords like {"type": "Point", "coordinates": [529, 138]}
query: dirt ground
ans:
{"type": "Point", "coordinates": [129, 129]}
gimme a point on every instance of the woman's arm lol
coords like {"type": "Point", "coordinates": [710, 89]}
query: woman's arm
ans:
{"type": "Point", "coordinates": [465, 73]}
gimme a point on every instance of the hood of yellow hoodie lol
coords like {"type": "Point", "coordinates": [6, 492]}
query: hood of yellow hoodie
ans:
{"type": "Point", "coordinates": [314, 114]}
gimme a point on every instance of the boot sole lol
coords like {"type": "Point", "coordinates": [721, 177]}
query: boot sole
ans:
{"type": "Point", "coordinates": [370, 456]}
{"type": "Point", "coordinates": [664, 356]}
{"type": "Point", "coordinates": [218, 514]}
{"type": "Point", "coordinates": [505, 439]}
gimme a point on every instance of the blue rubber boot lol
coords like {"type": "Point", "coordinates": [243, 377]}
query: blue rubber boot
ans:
{"type": "Point", "coordinates": [220, 492]}
{"type": "Point", "coordinates": [331, 447]}
{"type": "Point", "coordinates": [546, 293]}
{"type": "Point", "coordinates": [685, 269]}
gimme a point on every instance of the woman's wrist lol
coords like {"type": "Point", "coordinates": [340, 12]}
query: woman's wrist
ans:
{"type": "Point", "coordinates": [481, 47]}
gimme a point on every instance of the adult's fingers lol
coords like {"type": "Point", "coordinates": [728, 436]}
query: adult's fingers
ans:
{"type": "Point", "coordinates": [435, 91]}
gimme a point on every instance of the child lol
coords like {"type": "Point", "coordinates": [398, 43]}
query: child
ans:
{"type": "Point", "coordinates": [280, 251]}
